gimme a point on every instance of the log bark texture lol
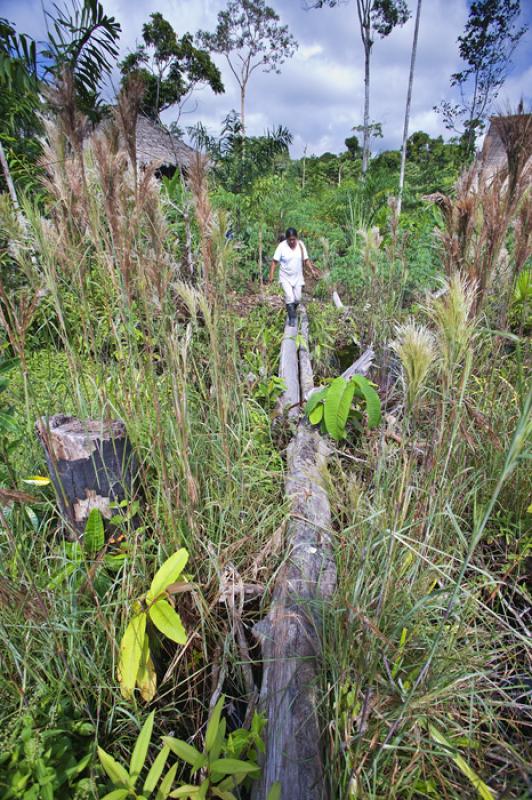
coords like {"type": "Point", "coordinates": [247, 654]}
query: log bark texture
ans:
{"type": "Point", "coordinates": [91, 465]}
{"type": "Point", "coordinates": [290, 635]}
{"type": "Point", "coordinates": [289, 372]}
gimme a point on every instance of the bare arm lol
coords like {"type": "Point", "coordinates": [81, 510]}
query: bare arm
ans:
{"type": "Point", "coordinates": [273, 267]}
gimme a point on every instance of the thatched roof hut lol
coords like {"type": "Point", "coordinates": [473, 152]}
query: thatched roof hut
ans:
{"type": "Point", "coordinates": [156, 144]}
{"type": "Point", "coordinates": [505, 131]}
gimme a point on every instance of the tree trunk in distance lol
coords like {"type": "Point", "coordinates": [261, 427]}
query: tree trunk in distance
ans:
{"type": "Point", "coordinates": [407, 109]}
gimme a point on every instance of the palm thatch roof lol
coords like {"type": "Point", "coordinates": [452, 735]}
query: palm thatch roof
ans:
{"type": "Point", "coordinates": [157, 145]}
{"type": "Point", "coordinates": [504, 131]}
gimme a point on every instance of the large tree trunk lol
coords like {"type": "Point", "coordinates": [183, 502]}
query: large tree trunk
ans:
{"type": "Point", "coordinates": [290, 634]}
{"type": "Point", "coordinates": [91, 465]}
{"type": "Point", "coordinates": [407, 109]}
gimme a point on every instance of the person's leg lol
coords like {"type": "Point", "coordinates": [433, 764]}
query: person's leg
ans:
{"type": "Point", "coordinates": [289, 300]}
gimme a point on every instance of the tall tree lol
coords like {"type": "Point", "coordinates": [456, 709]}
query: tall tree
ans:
{"type": "Point", "coordinates": [491, 34]}
{"type": "Point", "coordinates": [374, 16]}
{"type": "Point", "coordinates": [250, 37]}
{"type": "Point", "coordinates": [170, 67]}
{"type": "Point", "coordinates": [407, 108]}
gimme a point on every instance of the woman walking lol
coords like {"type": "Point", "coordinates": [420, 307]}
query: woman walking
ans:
{"type": "Point", "coordinates": [291, 257]}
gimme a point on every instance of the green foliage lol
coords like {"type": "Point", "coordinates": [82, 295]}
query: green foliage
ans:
{"type": "Point", "coordinates": [83, 41]}
{"type": "Point", "coordinates": [125, 780]}
{"type": "Point", "coordinates": [46, 753]}
{"type": "Point", "coordinates": [136, 667]}
{"type": "Point", "coordinates": [343, 400]}
{"type": "Point", "coordinates": [227, 760]}
{"type": "Point", "coordinates": [521, 302]}
{"type": "Point", "coordinates": [170, 67]}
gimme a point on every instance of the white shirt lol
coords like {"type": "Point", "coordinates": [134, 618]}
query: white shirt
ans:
{"type": "Point", "coordinates": [291, 263]}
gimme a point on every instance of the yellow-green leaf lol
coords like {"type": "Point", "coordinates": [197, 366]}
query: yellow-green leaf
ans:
{"type": "Point", "coordinates": [184, 751]}
{"type": "Point", "coordinates": [115, 771]}
{"type": "Point", "coordinates": [140, 751]}
{"type": "Point", "coordinates": [156, 770]}
{"type": "Point", "coordinates": [146, 676]}
{"type": "Point", "coordinates": [168, 621]}
{"type": "Point", "coordinates": [233, 766]}
{"type": "Point", "coordinates": [37, 480]}
{"type": "Point", "coordinates": [214, 724]}
{"type": "Point", "coordinates": [482, 788]}
{"type": "Point", "coordinates": [167, 573]}
{"type": "Point", "coordinates": [166, 784]}
{"type": "Point", "coordinates": [130, 654]}
{"type": "Point", "coordinates": [275, 791]}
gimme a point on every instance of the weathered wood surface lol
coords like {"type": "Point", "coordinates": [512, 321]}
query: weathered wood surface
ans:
{"type": "Point", "coordinates": [289, 371]}
{"type": "Point", "coordinates": [362, 365]}
{"type": "Point", "coordinates": [290, 635]}
{"type": "Point", "coordinates": [91, 465]}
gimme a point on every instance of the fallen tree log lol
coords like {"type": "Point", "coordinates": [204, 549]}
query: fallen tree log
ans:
{"type": "Point", "coordinates": [91, 464]}
{"type": "Point", "coordinates": [288, 371]}
{"type": "Point", "coordinates": [290, 634]}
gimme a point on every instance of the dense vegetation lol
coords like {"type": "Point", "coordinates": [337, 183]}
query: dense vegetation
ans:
{"type": "Point", "coordinates": [122, 296]}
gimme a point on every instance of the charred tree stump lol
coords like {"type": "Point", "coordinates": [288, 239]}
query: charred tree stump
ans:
{"type": "Point", "coordinates": [91, 465]}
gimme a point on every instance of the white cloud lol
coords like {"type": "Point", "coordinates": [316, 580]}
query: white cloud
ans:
{"type": "Point", "coordinates": [319, 95]}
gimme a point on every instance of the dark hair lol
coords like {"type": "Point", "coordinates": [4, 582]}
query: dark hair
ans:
{"type": "Point", "coordinates": [290, 232]}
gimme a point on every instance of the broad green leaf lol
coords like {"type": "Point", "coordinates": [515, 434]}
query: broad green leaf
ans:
{"type": "Point", "coordinates": [332, 403]}
{"type": "Point", "coordinates": [316, 415]}
{"type": "Point", "coordinates": [233, 766]}
{"type": "Point", "coordinates": [115, 771]}
{"type": "Point", "coordinates": [373, 403]}
{"type": "Point", "coordinates": [156, 770]}
{"type": "Point", "coordinates": [116, 794]}
{"type": "Point", "coordinates": [130, 654]}
{"type": "Point", "coordinates": [146, 675]}
{"type": "Point", "coordinates": [482, 788]}
{"type": "Point", "coordinates": [37, 480]}
{"type": "Point", "coordinates": [140, 751]}
{"type": "Point", "coordinates": [314, 399]}
{"type": "Point", "coordinates": [184, 751]}
{"type": "Point", "coordinates": [344, 407]}
{"type": "Point", "coordinates": [275, 791]}
{"type": "Point", "coordinates": [167, 573]}
{"type": "Point", "coordinates": [93, 535]}
{"type": "Point", "coordinates": [166, 784]}
{"type": "Point", "coordinates": [168, 621]}
{"type": "Point", "coordinates": [214, 724]}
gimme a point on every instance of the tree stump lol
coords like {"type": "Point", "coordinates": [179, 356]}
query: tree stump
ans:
{"type": "Point", "coordinates": [91, 464]}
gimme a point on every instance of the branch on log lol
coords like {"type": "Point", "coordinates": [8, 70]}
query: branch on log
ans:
{"type": "Point", "coordinates": [361, 366]}
{"type": "Point", "coordinates": [91, 465]}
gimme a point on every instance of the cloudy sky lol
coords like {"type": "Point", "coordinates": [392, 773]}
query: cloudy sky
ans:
{"type": "Point", "coordinates": [319, 94]}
